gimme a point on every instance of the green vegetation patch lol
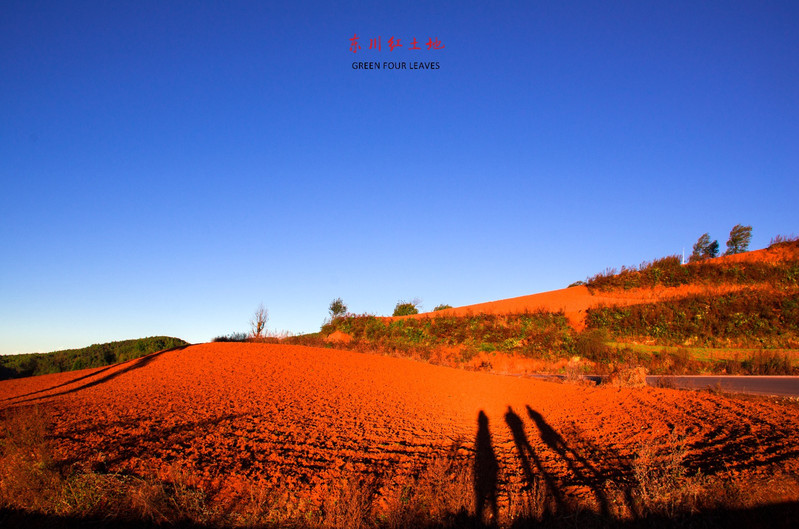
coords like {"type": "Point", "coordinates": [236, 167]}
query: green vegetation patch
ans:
{"type": "Point", "coordinates": [97, 355]}
{"type": "Point", "coordinates": [748, 318]}
{"type": "Point", "coordinates": [530, 334]}
{"type": "Point", "coordinates": [668, 272]}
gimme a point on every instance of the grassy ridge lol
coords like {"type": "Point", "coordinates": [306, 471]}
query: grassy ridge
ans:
{"type": "Point", "coordinates": [668, 272]}
{"type": "Point", "coordinates": [529, 334]}
{"type": "Point", "coordinates": [97, 355]}
{"type": "Point", "coordinates": [762, 318]}
{"type": "Point", "coordinates": [456, 341]}
{"type": "Point", "coordinates": [748, 318]}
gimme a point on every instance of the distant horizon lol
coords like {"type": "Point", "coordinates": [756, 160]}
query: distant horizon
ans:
{"type": "Point", "coordinates": [168, 167]}
{"type": "Point", "coordinates": [284, 332]}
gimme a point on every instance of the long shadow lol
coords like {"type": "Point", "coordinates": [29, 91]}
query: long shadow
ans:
{"type": "Point", "coordinates": [573, 460]}
{"type": "Point", "coordinates": [486, 472]}
{"type": "Point", "coordinates": [610, 464]}
{"type": "Point", "coordinates": [137, 444]}
{"type": "Point", "coordinates": [527, 454]}
{"type": "Point", "coordinates": [68, 382]}
{"type": "Point", "coordinates": [736, 449]}
{"type": "Point", "coordinates": [134, 364]}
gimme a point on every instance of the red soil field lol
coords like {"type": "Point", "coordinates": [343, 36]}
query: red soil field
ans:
{"type": "Point", "coordinates": [298, 418]}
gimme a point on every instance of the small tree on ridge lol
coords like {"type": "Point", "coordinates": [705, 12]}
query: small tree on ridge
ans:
{"type": "Point", "coordinates": [704, 249]}
{"type": "Point", "coordinates": [739, 239]}
{"type": "Point", "coordinates": [337, 308]}
{"type": "Point", "coordinates": [405, 308]}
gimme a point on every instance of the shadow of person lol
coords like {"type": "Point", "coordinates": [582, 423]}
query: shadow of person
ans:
{"type": "Point", "coordinates": [486, 471]}
{"type": "Point", "coordinates": [580, 467]}
{"type": "Point", "coordinates": [516, 426]}
{"type": "Point", "coordinates": [526, 455]}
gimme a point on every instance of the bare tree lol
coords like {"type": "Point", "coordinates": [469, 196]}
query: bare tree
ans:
{"type": "Point", "coordinates": [258, 321]}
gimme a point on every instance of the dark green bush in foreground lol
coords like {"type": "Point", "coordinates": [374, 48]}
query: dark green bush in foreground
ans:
{"type": "Point", "coordinates": [97, 355]}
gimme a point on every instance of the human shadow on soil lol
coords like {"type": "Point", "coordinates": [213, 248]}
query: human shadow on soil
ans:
{"type": "Point", "coordinates": [579, 466]}
{"type": "Point", "coordinates": [606, 464]}
{"type": "Point", "coordinates": [137, 363]}
{"type": "Point", "coordinates": [528, 458]}
{"type": "Point", "coordinates": [609, 463]}
{"type": "Point", "coordinates": [486, 472]}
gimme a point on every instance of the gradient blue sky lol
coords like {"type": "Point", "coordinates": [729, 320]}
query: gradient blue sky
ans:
{"type": "Point", "coordinates": [167, 166]}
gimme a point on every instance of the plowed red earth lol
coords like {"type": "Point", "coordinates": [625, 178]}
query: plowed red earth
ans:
{"type": "Point", "coordinates": [298, 417]}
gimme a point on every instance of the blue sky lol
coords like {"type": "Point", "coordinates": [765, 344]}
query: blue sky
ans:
{"type": "Point", "coordinates": [167, 166]}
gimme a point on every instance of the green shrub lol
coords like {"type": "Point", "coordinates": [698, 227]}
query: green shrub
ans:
{"type": "Point", "coordinates": [405, 308]}
{"type": "Point", "coordinates": [233, 337]}
{"type": "Point", "coordinates": [591, 344]}
{"type": "Point", "coordinates": [532, 334]}
{"type": "Point", "coordinates": [747, 318]}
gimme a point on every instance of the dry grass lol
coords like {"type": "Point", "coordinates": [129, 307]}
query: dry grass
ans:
{"type": "Point", "coordinates": [628, 377]}
{"type": "Point", "coordinates": [442, 491]}
{"type": "Point", "coordinates": [439, 495]}
{"type": "Point", "coordinates": [32, 479]}
{"type": "Point", "coordinates": [662, 485]}
{"type": "Point", "coordinates": [28, 477]}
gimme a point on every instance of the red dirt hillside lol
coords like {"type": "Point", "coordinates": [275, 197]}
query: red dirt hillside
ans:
{"type": "Point", "coordinates": [572, 301]}
{"type": "Point", "coordinates": [576, 300]}
{"type": "Point", "coordinates": [297, 418]}
{"type": "Point", "coordinates": [780, 252]}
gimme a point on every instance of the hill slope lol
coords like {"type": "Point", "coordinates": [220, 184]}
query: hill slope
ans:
{"type": "Point", "coordinates": [661, 280]}
{"type": "Point", "coordinates": [298, 419]}
{"type": "Point", "coordinates": [573, 302]}
{"type": "Point", "coordinates": [97, 355]}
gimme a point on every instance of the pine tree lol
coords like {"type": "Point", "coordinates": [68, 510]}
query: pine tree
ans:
{"type": "Point", "coordinates": [739, 239]}
{"type": "Point", "coordinates": [704, 249]}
